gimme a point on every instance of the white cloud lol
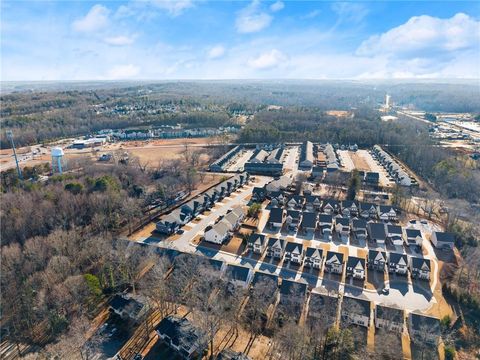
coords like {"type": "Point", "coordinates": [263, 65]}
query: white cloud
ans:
{"type": "Point", "coordinates": [120, 40]}
{"type": "Point", "coordinates": [252, 19]}
{"type": "Point", "coordinates": [119, 72]}
{"type": "Point", "coordinates": [277, 6]}
{"type": "Point", "coordinates": [268, 60]}
{"type": "Point", "coordinates": [349, 11]}
{"type": "Point", "coordinates": [425, 36]}
{"type": "Point", "coordinates": [312, 14]}
{"type": "Point", "coordinates": [174, 7]}
{"type": "Point", "coordinates": [96, 19]}
{"type": "Point", "coordinates": [216, 52]}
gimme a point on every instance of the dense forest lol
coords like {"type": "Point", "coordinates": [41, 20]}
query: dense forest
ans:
{"type": "Point", "coordinates": [70, 109]}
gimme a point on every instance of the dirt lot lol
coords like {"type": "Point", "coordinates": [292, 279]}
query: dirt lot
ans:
{"type": "Point", "coordinates": [359, 161]}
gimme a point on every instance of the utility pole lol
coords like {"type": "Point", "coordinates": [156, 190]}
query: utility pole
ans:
{"type": "Point", "coordinates": [10, 136]}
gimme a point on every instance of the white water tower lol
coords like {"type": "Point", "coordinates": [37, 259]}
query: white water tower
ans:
{"type": "Point", "coordinates": [387, 101]}
{"type": "Point", "coordinates": [58, 160]}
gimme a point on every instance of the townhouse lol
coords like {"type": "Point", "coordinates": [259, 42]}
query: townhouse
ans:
{"type": "Point", "coordinates": [397, 263]}
{"type": "Point", "coordinates": [395, 234]}
{"type": "Point", "coordinates": [334, 262]}
{"type": "Point", "coordinates": [325, 223]}
{"type": "Point", "coordinates": [359, 229]}
{"type": "Point", "coordinates": [312, 203]}
{"type": "Point", "coordinates": [257, 243]}
{"type": "Point", "coordinates": [296, 202]}
{"type": "Point", "coordinates": [349, 208]}
{"type": "Point", "coordinates": [367, 210]}
{"type": "Point", "coordinates": [413, 237]}
{"type": "Point", "coordinates": [294, 252]}
{"type": "Point", "coordinates": [293, 219]}
{"type": "Point", "coordinates": [275, 220]}
{"type": "Point", "coordinates": [240, 276]}
{"type": "Point", "coordinates": [331, 206]}
{"type": "Point", "coordinates": [356, 267]}
{"type": "Point", "coordinates": [275, 248]}
{"type": "Point", "coordinates": [377, 260]}
{"type": "Point", "coordinates": [313, 258]}
{"type": "Point", "coordinates": [322, 309]}
{"type": "Point", "coordinates": [387, 213]}
{"type": "Point", "coordinates": [420, 268]}
{"type": "Point", "coordinates": [376, 232]}
{"type": "Point", "coordinates": [342, 227]}
{"type": "Point", "coordinates": [309, 222]}
{"type": "Point", "coordinates": [443, 240]}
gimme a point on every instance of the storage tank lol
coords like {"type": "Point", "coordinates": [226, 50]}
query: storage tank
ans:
{"type": "Point", "coordinates": [58, 160]}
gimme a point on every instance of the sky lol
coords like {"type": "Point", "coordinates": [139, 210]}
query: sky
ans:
{"type": "Point", "coordinates": [188, 39]}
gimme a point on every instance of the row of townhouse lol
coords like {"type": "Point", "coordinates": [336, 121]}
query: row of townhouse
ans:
{"type": "Point", "coordinates": [264, 162]}
{"type": "Point", "coordinates": [313, 203]}
{"type": "Point", "coordinates": [171, 222]}
{"type": "Point", "coordinates": [312, 257]}
{"type": "Point", "coordinates": [220, 164]}
{"type": "Point", "coordinates": [394, 169]}
{"type": "Point", "coordinates": [222, 230]}
{"type": "Point", "coordinates": [306, 156]}
{"type": "Point", "coordinates": [400, 264]}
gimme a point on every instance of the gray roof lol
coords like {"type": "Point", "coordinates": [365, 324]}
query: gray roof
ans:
{"type": "Point", "coordinates": [395, 258]}
{"type": "Point", "coordinates": [181, 332]}
{"type": "Point", "coordinates": [389, 313]}
{"type": "Point", "coordinates": [424, 322]}
{"type": "Point", "coordinates": [419, 263]}
{"type": "Point", "coordinates": [276, 215]}
{"type": "Point", "coordinates": [309, 219]}
{"type": "Point", "coordinates": [394, 229]}
{"type": "Point", "coordinates": [377, 231]}
{"type": "Point", "coordinates": [412, 233]}
{"type": "Point", "coordinates": [237, 272]}
{"type": "Point", "coordinates": [313, 252]}
{"type": "Point", "coordinates": [331, 254]}
{"type": "Point", "coordinates": [445, 237]}
{"type": "Point", "coordinates": [356, 306]}
{"type": "Point", "coordinates": [256, 238]}
{"type": "Point", "coordinates": [291, 247]}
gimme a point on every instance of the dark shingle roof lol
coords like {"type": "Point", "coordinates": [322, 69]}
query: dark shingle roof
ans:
{"type": "Point", "coordinates": [372, 254]}
{"type": "Point", "coordinates": [395, 258]}
{"type": "Point", "coordinates": [359, 224]}
{"type": "Point", "coordinates": [255, 237]}
{"type": "Point", "coordinates": [291, 246]}
{"type": "Point", "coordinates": [324, 218]}
{"type": "Point", "coordinates": [418, 263]}
{"type": "Point", "coordinates": [181, 332]}
{"type": "Point", "coordinates": [394, 229]}
{"type": "Point", "coordinates": [276, 215]}
{"type": "Point", "coordinates": [423, 322]}
{"type": "Point", "coordinates": [266, 277]}
{"type": "Point", "coordinates": [412, 233]}
{"type": "Point", "coordinates": [343, 221]}
{"type": "Point", "coordinates": [310, 251]}
{"type": "Point", "coordinates": [352, 261]}
{"type": "Point", "coordinates": [237, 272]}
{"type": "Point", "coordinates": [445, 237]}
{"type": "Point", "coordinates": [331, 254]}
{"type": "Point", "coordinates": [377, 231]}
{"type": "Point", "coordinates": [309, 219]}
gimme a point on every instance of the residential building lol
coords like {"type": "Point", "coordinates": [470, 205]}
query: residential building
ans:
{"type": "Point", "coordinates": [262, 277]}
{"type": "Point", "coordinates": [312, 203]}
{"type": "Point", "coordinates": [334, 262]}
{"type": "Point", "coordinates": [325, 223]}
{"type": "Point", "coordinates": [359, 228]}
{"type": "Point", "coordinates": [239, 275]}
{"type": "Point", "coordinates": [294, 252]}
{"type": "Point", "coordinates": [397, 263]}
{"type": "Point", "coordinates": [355, 311]}
{"type": "Point", "coordinates": [331, 206]}
{"type": "Point", "coordinates": [258, 194]}
{"type": "Point", "coordinates": [376, 232]}
{"type": "Point", "coordinates": [395, 234]}
{"type": "Point", "coordinates": [423, 328]}
{"type": "Point", "coordinates": [349, 208]}
{"type": "Point", "coordinates": [387, 213]}
{"type": "Point", "coordinates": [218, 233]}
{"type": "Point", "coordinates": [257, 243]}
{"type": "Point", "coordinates": [296, 202]}
{"type": "Point", "coordinates": [367, 210]}
{"type": "Point", "coordinates": [306, 156]}
{"type": "Point", "coordinates": [275, 248]}
{"type": "Point", "coordinates": [389, 318]}
{"type": "Point", "coordinates": [356, 267]}
{"type": "Point", "coordinates": [443, 240]}
{"type": "Point", "coordinates": [293, 219]}
{"type": "Point", "coordinates": [180, 334]}
{"type": "Point", "coordinates": [127, 307]}
{"type": "Point", "coordinates": [313, 258]}
{"type": "Point", "coordinates": [309, 221]}
{"type": "Point", "coordinates": [420, 268]}
{"type": "Point", "coordinates": [275, 219]}
{"type": "Point", "coordinates": [342, 227]}
{"type": "Point", "coordinates": [414, 237]}
{"type": "Point", "coordinates": [377, 260]}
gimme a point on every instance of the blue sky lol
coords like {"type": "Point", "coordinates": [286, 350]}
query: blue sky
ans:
{"type": "Point", "coordinates": [188, 39]}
